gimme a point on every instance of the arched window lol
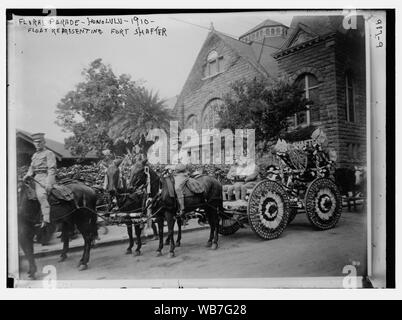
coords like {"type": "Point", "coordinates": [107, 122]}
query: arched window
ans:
{"type": "Point", "coordinates": [310, 86]}
{"type": "Point", "coordinates": [350, 99]}
{"type": "Point", "coordinates": [210, 116]}
{"type": "Point", "coordinates": [214, 64]}
{"type": "Point", "coordinates": [191, 122]}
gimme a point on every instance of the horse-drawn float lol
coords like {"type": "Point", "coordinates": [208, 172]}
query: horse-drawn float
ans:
{"type": "Point", "coordinates": [302, 181]}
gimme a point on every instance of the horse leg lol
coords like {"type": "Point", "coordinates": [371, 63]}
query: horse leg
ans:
{"type": "Point", "coordinates": [85, 227]}
{"type": "Point", "coordinates": [160, 229]}
{"type": "Point", "coordinates": [155, 230]}
{"type": "Point", "coordinates": [26, 243]}
{"type": "Point", "coordinates": [211, 229]}
{"type": "Point", "coordinates": [65, 238]}
{"type": "Point", "coordinates": [83, 265]}
{"type": "Point", "coordinates": [130, 237]}
{"type": "Point", "coordinates": [138, 237]}
{"type": "Point", "coordinates": [170, 222]}
{"type": "Point", "coordinates": [32, 264]}
{"type": "Point", "coordinates": [31, 260]}
{"type": "Point", "coordinates": [167, 242]}
{"type": "Point", "coordinates": [214, 229]}
{"type": "Point", "coordinates": [179, 224]}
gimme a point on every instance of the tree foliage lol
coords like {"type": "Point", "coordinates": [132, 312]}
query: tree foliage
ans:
{"type": "Point", "coordinates": [106, 110]}
{"type": "Point", "coordinates": [261, 104]}
{"type": "Point", "coordinates": [142, 111]}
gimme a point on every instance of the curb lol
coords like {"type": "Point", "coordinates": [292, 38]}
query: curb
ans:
{"type": "Point", "coordinates": [108, 243]}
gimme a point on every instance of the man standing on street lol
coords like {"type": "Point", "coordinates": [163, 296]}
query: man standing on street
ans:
{"type": "Point", "coordinates": [43, 169]}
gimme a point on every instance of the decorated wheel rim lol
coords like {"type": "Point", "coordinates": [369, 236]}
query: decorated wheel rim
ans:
{"type": "Point", "coordinates": [268, 209]}
{"type": "Point", "coordinates": [323, 203]}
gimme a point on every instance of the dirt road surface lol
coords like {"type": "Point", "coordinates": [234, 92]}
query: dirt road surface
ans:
{"type": "Point", "coordinates": [301, 251]}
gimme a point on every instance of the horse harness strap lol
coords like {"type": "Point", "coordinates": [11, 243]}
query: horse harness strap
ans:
{"type": "Point", "coordinates": [148, 183]}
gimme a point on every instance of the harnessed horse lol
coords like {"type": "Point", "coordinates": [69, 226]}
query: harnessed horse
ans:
{"type": "Point", "coordinates": [81, 213]}
{"type": "Point", "coordinates": [153, 194]}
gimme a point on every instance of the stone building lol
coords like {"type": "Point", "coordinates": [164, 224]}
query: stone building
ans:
{"type": "Point", "coordinates": [329, 63]}
{"type": "Point", "coordinates": [315, 51]}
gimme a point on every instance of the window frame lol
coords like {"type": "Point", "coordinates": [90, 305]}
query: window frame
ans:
{"type": "Point", "coordinates": [208, 105]}
{"type": "Point", "coordinates": [193, 119]}
{"type": "Point", "coordinates": [306, 88]}
{"type": "Point", "coordinates": [349, 78]}
{"type": "Point", "coordinates": [218, 59]}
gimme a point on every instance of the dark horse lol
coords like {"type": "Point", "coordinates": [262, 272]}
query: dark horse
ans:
{"type": "Point", "coordinates": [80, 213]}
{"type": "Point", "coordinates": [137, 199]}
{"type": "Point", "coordinates": [164, 205]}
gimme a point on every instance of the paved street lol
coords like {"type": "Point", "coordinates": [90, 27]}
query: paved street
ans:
{"type": "Point", "coordinates": [299, 252]}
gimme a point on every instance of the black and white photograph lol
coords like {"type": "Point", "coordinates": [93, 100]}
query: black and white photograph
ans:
{"type": "Point", "coordinates": [196, 149]}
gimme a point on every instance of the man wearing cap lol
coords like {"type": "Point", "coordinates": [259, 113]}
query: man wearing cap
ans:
{"type": "Point", "coordinates": [43, 168]}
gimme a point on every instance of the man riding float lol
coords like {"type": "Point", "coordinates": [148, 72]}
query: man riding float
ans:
{"type": "Point", "coordinates": [43, 169]}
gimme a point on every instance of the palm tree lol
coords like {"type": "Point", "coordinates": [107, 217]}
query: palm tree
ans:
{"type": "Point", "coordinates": [142, 111]}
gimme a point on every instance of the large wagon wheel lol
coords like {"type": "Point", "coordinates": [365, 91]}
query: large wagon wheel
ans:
{"type": "Point", "coordinates": [227, 224]}
{"type": "Point", "coordinates": [268, 209]}
{"type": "Point", "coordinates": [323, 203]}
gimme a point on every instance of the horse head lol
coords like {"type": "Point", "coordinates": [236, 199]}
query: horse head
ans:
{"type": "Point", "coordinates": [28, 206]}
{"type": "Point", "coordinates": [144, 183]}
{"type": "Point", "coordinates": [137, 176]}
{"type": "Point", "coordinates": [132, 201]}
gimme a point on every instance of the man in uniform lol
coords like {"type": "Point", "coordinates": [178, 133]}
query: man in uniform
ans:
{"type": "Point", "coordinates": [43, 169]}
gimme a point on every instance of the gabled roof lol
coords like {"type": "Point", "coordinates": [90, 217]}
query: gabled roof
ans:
{"type": "Point", "coordinates": [312, 28]}
{"type": "Point", "coordinates": [299, 34]}
{"type": "Point", "coordinates": [319, 25]}
{"type": "Point", "coordinates": [244, 50]}
{"type": "Point", "coordinates": [265, 23]}
{"type": "Point", "coordinates": [57, 147]}
{"type": "Point", "coordinates": [258, 56]}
